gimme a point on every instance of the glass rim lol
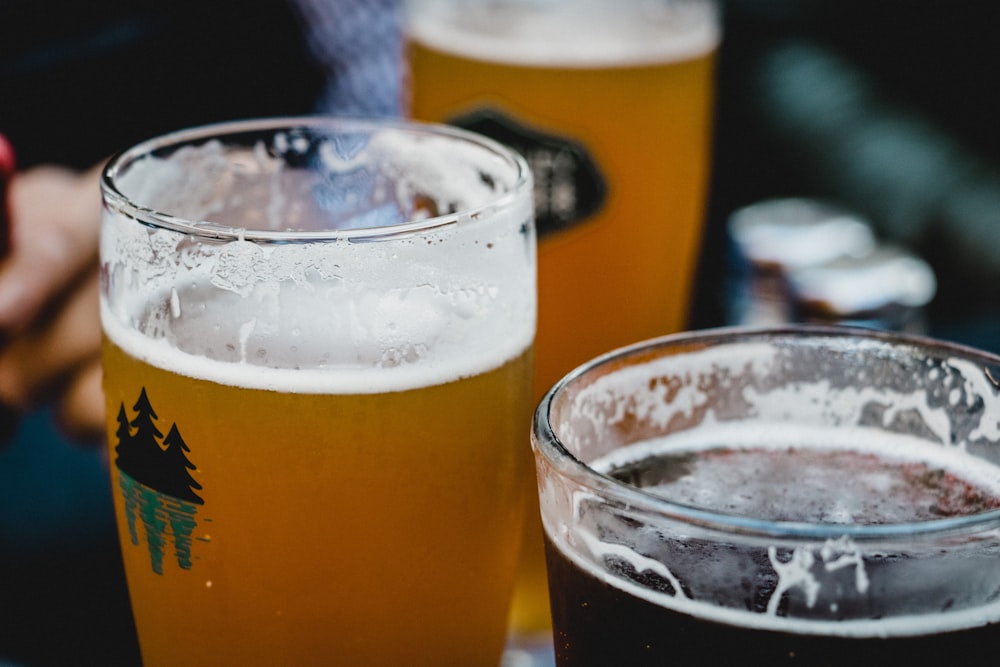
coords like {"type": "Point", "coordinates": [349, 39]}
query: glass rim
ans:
{"type": "Point", "coordinates": [219, 232]}
{"type": "Point", "coordinates": [566, 464]}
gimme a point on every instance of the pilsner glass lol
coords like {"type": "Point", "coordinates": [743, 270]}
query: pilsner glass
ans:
{"type": "Point", "coordinates": [610, 102]}
{"type": "Point", "coordinates": [806, 496]}
{"type": "Point", "coordinates": [318, 342]}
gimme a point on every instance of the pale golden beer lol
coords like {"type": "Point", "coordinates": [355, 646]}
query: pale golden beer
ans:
{"type": "Point", "coordinates": [610, 102]}
{"type": "Point", "coordinates": [317, 432]}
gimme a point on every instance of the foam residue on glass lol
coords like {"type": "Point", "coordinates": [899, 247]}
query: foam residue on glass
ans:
{"type": "Point", "coordinates": [932, 399]}
{"type": "Point", "coordinates": [890, 436]}
{"type": "Point", "coordinates": [581, 33]}
{"type": "Point", "coordinates": [300, 182]}
{"type": "Point", "coordinates": [348, 303]}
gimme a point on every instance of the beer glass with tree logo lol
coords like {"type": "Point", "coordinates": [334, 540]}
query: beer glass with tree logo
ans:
{"type": "Point", "coordinates": [767, 497]}
{"type": "Point", "coordinates": [318, 342]}
{"type": "Point", "coordinates": [610, 103]}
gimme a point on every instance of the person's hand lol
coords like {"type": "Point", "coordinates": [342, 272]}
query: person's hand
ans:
{"type": "Point", "coordinates": [49, 316]}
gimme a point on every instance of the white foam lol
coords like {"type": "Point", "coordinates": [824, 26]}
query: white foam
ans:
{"type": "Point", "coordinates": [372, 317]}
{"type": "Point", "coordinates": [688, 379]}
{"type": "Point", "coordinates": [365, 180]}
{"type": "Point", "coordinates": [569, 34]}
{"type": "Point", "coordinates": [779, 437]}
{"type": "Point", "coordinates": [326, 380]}
{"type": "Point", "coordinates": [392, 309]}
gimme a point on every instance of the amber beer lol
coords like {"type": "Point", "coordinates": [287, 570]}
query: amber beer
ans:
{"type": "Point", "coordinates": [617, 612]}
{"type": "Point", "coordinates": [368, 528]}
{"type": "Point", "coordinates": [613, 111]}
{"type": "Point", "coordinates": [774, 497]}
{"type": "Point", "coordinates": [316, 434]}
{"type": "Point", "coordinates": [610, 103]}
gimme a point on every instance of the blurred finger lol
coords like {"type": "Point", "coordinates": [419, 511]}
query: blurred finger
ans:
{"type": "Point", "coordinates": [81, 411]}
{"type": "Point", "coordinates": [55, 222]}
{"type": "Point", "coordinates": [32, 365]}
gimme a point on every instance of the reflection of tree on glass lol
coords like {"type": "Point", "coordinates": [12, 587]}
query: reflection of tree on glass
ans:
{"type": "Point", "coordinates": [155, 482]}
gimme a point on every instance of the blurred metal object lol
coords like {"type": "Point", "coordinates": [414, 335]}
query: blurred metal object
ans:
{"type": "Point", "coordinates": [801, 260]}
{"type": "Point", "coordinates": [784, 234]}
{"type": "Point", "coordinates": [773, 237]}
{"type": "Point", "coordinates": [886, 289]}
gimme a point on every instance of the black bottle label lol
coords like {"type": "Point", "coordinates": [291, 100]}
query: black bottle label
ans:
{"type": "Point", "coordinates": [569, 187]}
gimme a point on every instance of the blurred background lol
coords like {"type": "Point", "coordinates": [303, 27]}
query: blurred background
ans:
{"type": "Point", "coordinates": [883, 108]}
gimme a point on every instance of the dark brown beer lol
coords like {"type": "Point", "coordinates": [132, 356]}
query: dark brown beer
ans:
{"type": "Point", "coordinates": [662, 597]}
{"type": "Point", "coordinates": [599, 624]}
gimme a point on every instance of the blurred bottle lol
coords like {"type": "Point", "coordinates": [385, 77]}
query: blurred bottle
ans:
{"type": "Point", "coordinates": [918, 183]}
{"type": "Point", "coordinates": [800, 260]}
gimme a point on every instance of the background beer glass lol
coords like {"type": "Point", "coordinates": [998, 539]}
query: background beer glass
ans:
{"type": "Point", "coordinates": [318, 379]}
{"type": "Point", "coordinates": [610, 103]}
{"type": "Point", "coordinates": [813, 496]}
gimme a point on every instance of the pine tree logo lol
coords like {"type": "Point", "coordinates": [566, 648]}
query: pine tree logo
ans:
{"type": "Point", "coordinates": [156, 483]}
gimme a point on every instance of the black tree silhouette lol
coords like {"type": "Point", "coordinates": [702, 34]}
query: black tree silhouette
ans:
{"type": "Point", "coordinates": [177, 481]}
{"type": "Point", "coordinates": [140, 457]}
{"type": "Point", "coordinates": [158, 489]}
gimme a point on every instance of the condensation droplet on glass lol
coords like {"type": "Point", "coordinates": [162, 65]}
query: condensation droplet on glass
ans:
{"type": "Point", "coordinates": [175, 303]}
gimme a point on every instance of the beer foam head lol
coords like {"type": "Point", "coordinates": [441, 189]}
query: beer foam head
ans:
{"type": "Point", "coordinates": [394, 255]}
{"type": "Point", "coordinates": [582, 33]}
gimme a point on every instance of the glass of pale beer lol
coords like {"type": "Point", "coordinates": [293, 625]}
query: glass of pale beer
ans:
{"type": "Point", "coordinates": [318, 367]}
{"type": "Point", "coordinates": [610, 102]}
{"type": "Point", "coordinates": [797, 496]}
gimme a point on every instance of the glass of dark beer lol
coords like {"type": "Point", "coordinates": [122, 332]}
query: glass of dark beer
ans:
{"type": "Point", "coordinates": [806, 495]}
